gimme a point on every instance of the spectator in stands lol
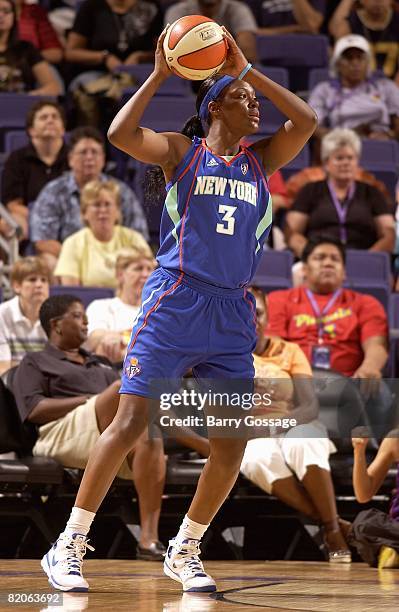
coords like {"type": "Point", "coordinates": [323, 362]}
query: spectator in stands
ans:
{"type": "Point", "coordinates": [107, 34]}
{"type": "Point", "coordinates": [294, 465]}
{"type": "Point", "coordinates": [376, 20]}
{"type": "Point", "coordinates": [318, 173]}
{"type": "Point", "coordinates": [56, 212]}
{"type": "Point", "coordinates": [367, 481]}
{"type": "Point", "coordinates": [235, 16]}
{"type": "Point", "coordinates": [35, 27]}
{"type": "Point", "coordinates": [29, 169]}
{"type": "Point", "coordinates": [111, 319]}
{"type": "Point", "coordinates": [290, 16]}
{"type": "Point", "coordinates": [22, 67]}
{"type": "Point", "coordinates": [88, 256]}
{"type": "Point", "coordinates": [73, 396]}
{"type": "Point", "coordinates": [338, 329]}
{"type": "Point", "coordinates": [354, 212]}
{"type": "Point", "coordinates": [20, 329]}
{"type": "Point", "coordinates": [355, 98]}
{"type": "Point", "coordinates": [61, 14]}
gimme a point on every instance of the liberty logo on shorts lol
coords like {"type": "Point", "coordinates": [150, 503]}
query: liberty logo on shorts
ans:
{"type": "Point", "coordinates": [133, 368]}
{"type": "Point", "coordinates": [244, 168]}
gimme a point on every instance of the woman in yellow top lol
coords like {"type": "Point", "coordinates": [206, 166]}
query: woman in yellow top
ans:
{"type": "Point", "coordinates": [293, 466]}
{"type": "Point", "coordinates": [88, 256]}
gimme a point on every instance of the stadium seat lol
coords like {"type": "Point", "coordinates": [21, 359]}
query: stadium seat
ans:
{"type": "Point", "coordinates": [367, 265]}
{"type": "Point", "coordinates": [85, 294]}
{"type": "Point", "coordinates": [173, 86]}
{"type": "Point", "coordinates": [276, 73]}
{"type": "Point", "coordinates": [179, 109]}
{"type": "Point", "coordinates": [297, 52]}
{"type": "Point", "coordinates": [14, 107]}
{"type": "Point", "coordinates": [302, 160]}
{"type": "Point", "coordinates": [15, 139]}
{"type": "Point", "coordinates": [274, 271]}
{"type": "Point", "coordinates": [317, 75]}
{"type": "Point", "coordinates": [376, 153]}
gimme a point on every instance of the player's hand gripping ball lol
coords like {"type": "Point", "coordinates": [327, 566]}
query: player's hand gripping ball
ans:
{"type": "Point", "coordinates": [195, 47]}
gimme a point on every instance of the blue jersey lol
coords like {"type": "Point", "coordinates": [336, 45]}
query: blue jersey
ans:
{"type": "Point", "coordinates": [217, 215]}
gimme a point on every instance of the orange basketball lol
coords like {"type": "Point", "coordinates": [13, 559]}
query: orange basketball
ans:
{"type": "Point", "coordinates": [194, 47]}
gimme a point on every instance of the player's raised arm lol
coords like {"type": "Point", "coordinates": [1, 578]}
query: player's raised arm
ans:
{"type": "Point", "coordinates": [142, 143]}
{"type": "Point", "coordinates": [286, 143]}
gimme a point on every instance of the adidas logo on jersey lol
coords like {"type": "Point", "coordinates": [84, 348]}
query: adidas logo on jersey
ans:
{"type": "Point", "coordinates": [212, 162]}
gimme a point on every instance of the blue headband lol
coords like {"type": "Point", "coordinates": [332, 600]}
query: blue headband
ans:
{"type": "Point", "coordinates": [212, 94]}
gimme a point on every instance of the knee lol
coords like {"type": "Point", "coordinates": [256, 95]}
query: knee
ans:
{"type": "Point", "coordinates": [128, 428]}
{"type": "Point", "coordinates": [228, 458]}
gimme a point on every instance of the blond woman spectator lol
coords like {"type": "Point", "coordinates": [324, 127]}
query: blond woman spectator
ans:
{"type": "Point", "coordinates": [20, 329]}
{"type": "Point", "coordinates": [88, 256]}
{"type": "Point", "coordinates": [111, 319]}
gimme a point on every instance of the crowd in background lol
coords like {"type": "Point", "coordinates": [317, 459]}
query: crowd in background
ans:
{"type": "Point", "coordinates": [84, 222]}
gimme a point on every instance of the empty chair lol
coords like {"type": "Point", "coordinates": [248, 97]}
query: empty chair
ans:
{"type": "Point", "coordinates": [167, 113]}
{"type": "Point", "coordinates": [317, 75]}
{"type": "Point", "coordinates": [394, 311]}
{"type": "Point", "coordinates": [302, 160]}
{"type": "Point", "coordinates": [270, 117]}
{"type": "Point", "coordinates": [369, 272]}
{"type": "Point", "coordinates": [288, 50]}
{"type": "Point", "coordinates": [85, 294]}
{"type": "Point", "coordinates": [297, 52]}
{"type": "Point", "coordinates": [14, 107]}
{"type": "Point", "coordinates": [377, 153]}
{"type": "Point", "coordinates": [173, 86]}
{"type": "Point", "coordinates": [276, 73]}
{"type": "Point", "coordinates": [15, 139]}
{"type": "Point", "coordinates": [368, 265]}
{"type": "Point", "coordinates": [274, 271]}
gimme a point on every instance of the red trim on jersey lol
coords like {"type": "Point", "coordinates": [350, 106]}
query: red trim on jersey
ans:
{"type": "Point", "coordinates": [254, 174]}
{"type": "Point", "coordinates": [251, 305]}
{"type": "Point", "coordinates": [183, 219]}
{"type": "Point", "coordinates": [176, 284]}
{"type": "Point", "coordinates": [228, 163]}
{"type": "Point", "coordinates": [261, 172]}
{"type": "Point", "coordinates": [187, 168]}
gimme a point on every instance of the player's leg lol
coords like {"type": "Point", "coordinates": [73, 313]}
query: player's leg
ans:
{"type": "Point", "coordinates": [182, 562]}
{"type": "Point", "coordinates": [233, 338]}
{"type": "Point", "coordinates": [63, 563]}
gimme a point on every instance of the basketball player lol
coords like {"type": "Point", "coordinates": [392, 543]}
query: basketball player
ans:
{"type": "Point", "coordinates": [195, 312]}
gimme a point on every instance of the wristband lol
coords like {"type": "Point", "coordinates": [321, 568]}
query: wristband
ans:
{"type": "Point", "coordinates": [244, 72]}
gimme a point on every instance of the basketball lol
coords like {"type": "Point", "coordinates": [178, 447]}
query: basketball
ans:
{"type": "Point", "coordinates": [194, 47]}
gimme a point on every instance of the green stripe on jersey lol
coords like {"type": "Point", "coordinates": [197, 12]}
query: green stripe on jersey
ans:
{"type": "Point", "coordinates": [264, 222]}
{"type": "Point", "coordinates": [171, 207]}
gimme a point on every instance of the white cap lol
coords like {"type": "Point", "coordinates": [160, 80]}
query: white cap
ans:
{"type": "Point", "coordinates": [352, 41]}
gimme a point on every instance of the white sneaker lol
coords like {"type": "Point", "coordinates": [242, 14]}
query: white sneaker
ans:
{"type": "Point", "coordinates": [183, 564]}
{"type": "Point", "coordinates": [63, 562]}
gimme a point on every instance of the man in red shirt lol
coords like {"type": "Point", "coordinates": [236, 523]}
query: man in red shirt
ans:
{"type": "Point", "coordinates": [338, 329]}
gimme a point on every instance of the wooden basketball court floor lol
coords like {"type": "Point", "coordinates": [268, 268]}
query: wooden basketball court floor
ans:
{"type": "Point", "coordinates": [242, 585]}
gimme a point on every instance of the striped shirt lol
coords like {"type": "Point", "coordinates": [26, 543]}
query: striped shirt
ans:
{"type": "Point", "coordinates": [18, 335]}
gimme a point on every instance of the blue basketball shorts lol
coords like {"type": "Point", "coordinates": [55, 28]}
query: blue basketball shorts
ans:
{"type": "Point", "coordinates": [185, 323]}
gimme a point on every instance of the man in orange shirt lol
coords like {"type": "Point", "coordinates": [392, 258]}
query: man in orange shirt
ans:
{"type": "Point", "coordinates": [338, 329]}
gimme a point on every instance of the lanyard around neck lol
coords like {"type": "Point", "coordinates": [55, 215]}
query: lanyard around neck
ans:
{"type": "Point", "coordinates": [342, 209]}
{"type": "Point", "coordinates": [319, 314]}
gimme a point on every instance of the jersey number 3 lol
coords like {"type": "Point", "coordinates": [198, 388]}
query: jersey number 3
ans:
{"type": "Point", "coordinates": [227, 212]}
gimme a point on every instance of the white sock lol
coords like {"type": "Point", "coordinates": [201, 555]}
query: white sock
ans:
{"type": "Point", "coordinates": [190, 530]}
{"type": "Point", "coordinates": [80, 521]}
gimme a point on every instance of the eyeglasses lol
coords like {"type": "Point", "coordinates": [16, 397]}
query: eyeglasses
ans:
{"type": "Point", "coordinates": [83, 152]}
{"type": "Point", "coordinates": [6, 10]}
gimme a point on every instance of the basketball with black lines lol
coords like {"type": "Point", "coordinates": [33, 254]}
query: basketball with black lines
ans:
{"type": "Point", "coordinates": [194, 47]}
